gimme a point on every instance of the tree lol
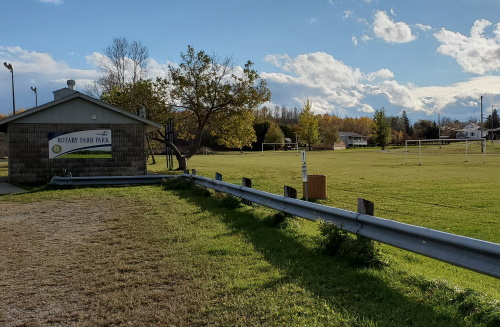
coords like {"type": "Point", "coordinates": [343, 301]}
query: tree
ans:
{"type": "Point", "coordinates": [145, 98]}
{"type": "Point", "coordinates": [407, 127]}
{"type": "Point", "coordinates": [309, 129]}
{"type": "Point", "coordinates": [274, 135]}
{"type": "Point", "coordinates": [381, 128]}
{"type": "Point", "coordinates": [123, 63]}
{"type": "Point", "coordinates": [236, 131]}
{"type": "Point", "coordinates": [492, 123]}
{"type": "Point", "coordinates": [210, 90]}
{"type": "Point", "coordinates": [426, 129]}
{"type": "Point", "coordinates": [328, 130]}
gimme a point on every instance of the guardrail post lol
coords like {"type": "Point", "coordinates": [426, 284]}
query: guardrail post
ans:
{"type": "Point", "coordinates": [193, 171]}
{"type": "Point", "coordinates": [290, 192]}
{"type": "Point", "coordinates": [366, 207]}
{"type": "Point", "coordinates": [247, 182]}
{"type": "Point", "coordinates": [218, 177]}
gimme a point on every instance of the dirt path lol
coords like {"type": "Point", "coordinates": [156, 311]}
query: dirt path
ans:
{"type": "Point", "coordinates": [82, 263]}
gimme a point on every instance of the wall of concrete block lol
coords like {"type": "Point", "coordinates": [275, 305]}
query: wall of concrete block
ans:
{"type": "Point", "coordinates": [29, 161]}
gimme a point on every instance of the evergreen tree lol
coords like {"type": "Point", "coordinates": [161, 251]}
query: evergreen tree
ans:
{"type": "Point", "coordinates": [381, 128]}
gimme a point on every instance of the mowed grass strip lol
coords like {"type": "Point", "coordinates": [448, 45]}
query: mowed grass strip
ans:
{"type": "Point", "coordinates": [178, 257]}
{"type": "Point", "coordinates": [444, 193]}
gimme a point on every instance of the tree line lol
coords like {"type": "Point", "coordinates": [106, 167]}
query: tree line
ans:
{"type": "Point", "coordinates": [215, 103]}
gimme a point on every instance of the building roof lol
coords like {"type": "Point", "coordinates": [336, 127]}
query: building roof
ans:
{"type": "Point", "coordinates": [150, 125]}
{"type": "Point", "coordinates": [351, 134]}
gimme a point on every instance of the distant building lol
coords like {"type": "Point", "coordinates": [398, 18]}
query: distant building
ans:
{"type": "Point", "coordinates": [75, 135]}
{"type": "Point", "coordinates": [470, 131]}
{"type": "Point", "coordinates": [353, 140]}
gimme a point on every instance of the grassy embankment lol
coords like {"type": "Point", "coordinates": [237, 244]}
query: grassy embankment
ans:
{"type": "Point", "coordinates": [243, 271]}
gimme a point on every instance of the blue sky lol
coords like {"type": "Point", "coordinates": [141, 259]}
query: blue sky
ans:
{"type": "Point", "coordinates": [349, 57]}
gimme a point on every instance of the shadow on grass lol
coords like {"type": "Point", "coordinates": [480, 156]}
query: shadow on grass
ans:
{"type": "Point", "coordinates": [359, 293]}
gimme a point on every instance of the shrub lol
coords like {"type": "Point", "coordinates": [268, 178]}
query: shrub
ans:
{"type": "Point", "coordinates": [357, 251]}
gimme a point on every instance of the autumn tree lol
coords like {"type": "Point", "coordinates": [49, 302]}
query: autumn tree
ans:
{"type": "Point", "coordinates": [381, 128]}
{"type": "Point", "coordinates": [308, 122]}
{"type": "Point", "coordinates": [211, 91]}
{"type": "Point", "coordinates": [144, 98]}
{"type": "Point", "coordinates": [236, 131]}
{"type": "Point", "coordinates": [328, 130]}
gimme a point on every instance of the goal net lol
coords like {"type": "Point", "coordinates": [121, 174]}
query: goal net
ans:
{"type": "Point", "coordinates": [280, 146]}
{"type": "Point", "coordinates": [465, 147]}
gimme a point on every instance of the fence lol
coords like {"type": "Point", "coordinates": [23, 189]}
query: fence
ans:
{"type": "Point", "coordinates": [477, 255]}
{"type": "Point", "coordinates": [469, 253]}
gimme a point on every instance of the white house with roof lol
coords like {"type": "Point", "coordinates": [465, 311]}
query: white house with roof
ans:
{"type": "Point", "coordinates": [353, 140]}
{"type": "Point", "coordinates": [471, 131]}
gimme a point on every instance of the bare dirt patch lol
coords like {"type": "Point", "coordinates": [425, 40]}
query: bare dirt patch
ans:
{"type": "Point", "coordinates": [85, 263]}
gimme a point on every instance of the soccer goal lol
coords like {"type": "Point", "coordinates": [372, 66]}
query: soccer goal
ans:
{"type": "Point", "coordinates": [281, 146]}
{"type": "Point", "coordinates": [466, 147]}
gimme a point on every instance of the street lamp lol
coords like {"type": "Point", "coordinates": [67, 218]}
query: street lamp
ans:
{"type": "Point", "coordinates": [33, 88]}
{"type": "Point", "coordinates": [9, 67]}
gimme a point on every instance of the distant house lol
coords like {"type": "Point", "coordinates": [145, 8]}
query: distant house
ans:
{"type": "Point", "coordinates": [353, 140]}
{"type": "Point", "coordinates": [470, 131]}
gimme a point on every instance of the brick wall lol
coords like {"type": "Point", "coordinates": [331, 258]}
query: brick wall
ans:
{"type": "Point", "coordinates": [29, 161]}
{"type": "Point", "coordinates": [3, 145]}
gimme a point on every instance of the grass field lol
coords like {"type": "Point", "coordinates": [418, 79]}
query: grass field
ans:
{"type": "Point", "coordinates": [233, 268]}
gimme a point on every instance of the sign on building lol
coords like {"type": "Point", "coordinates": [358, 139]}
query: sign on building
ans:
{"type": "Point", "coordinates": [83, 144]}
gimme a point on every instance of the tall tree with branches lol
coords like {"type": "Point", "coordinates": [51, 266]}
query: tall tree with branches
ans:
{"type": "Point", "coordinates": [123, 63]}
{"type": "Point", "coordinates": [210, 92]}
{"type": "Point", "coordinates": [309, 125]}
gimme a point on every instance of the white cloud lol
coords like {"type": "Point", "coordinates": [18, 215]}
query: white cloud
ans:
{"type": "Point", "coordinates": [478, 54]}
{"type": "Point", "coordinates": [340, 89]}
{"type": "Point", "coordinates": [366, 37]}
{"type": "Point", "coordinates": [354, 40]}
{"type": "Point", "coordinates": [348, 13]}
{"type": "Point", "coordinates": [383, 73]}
{"type": "Point", "coordinates": [424, 27]}
{"type": "Point", "coordinates": [366, 108]}
{"type": "Point", "coordinates": [390, 31]}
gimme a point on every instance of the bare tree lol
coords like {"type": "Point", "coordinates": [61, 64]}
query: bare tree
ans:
{"type": "Point", "coordinates": [124, 62]}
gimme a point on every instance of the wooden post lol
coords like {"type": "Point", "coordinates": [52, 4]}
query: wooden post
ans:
{"type": "Point", "coordinates": [290, 192]}
{"type": "Point", "coordinates": [366, 207]}
{"type": "Point", "coordinates": [247, 182]}
{"type": "Point", "coordinates": [193, 171]}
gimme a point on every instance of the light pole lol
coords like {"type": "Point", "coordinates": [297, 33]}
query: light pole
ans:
{"type": "Point", "coordinates": [33, 88]}
{"type": "Point", "coordinates": [9, 67]}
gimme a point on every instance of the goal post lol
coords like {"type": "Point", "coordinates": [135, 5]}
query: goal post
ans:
{"type": "Point", "coordinates": [281, 145]}
{"type": "Point", "coordinates": [447, 142]}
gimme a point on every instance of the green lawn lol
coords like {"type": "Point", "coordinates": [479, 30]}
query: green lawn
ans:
{"type": "Point", "coordinates": [245, 272]}
{"type": "Point", "coordinates": [444, 193]}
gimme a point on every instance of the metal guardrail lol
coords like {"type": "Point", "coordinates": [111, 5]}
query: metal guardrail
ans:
{"type": "Point", "coordinates": [109, 180]}
{"type": "Point", "coordinates": [477, 255]}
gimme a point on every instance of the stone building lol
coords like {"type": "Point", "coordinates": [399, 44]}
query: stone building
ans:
{"type": "Point", "coordinates": [75, 135]}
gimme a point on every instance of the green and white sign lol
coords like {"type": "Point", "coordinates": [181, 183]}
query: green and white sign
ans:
{"type": "Point", "coordinates": [83, 144]}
